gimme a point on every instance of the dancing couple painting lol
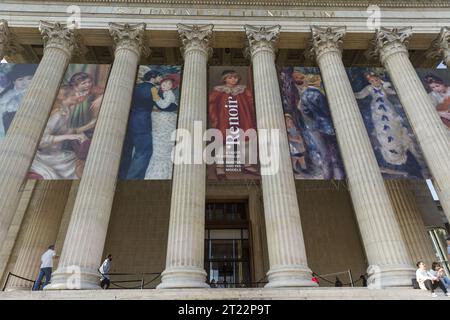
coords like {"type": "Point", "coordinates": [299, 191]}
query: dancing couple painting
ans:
{"type": "Point", "coordinates": [153, 118]}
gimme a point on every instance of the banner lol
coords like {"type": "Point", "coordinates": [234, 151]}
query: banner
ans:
{"type": "Point", "coordinates": [148, 145]}
{"type": "Point", "coordinates": [395, 146]}
{"type": "Point", "coordinates": [311, 135]}
{"type": "Point", "coordinates": [231, 111]}
{"type": "Point", "coordinates": [14, 82]}
{"type": "Point", "coordinates": [65, 143]}
{"type": "Point", "coordinates": [437, 84]}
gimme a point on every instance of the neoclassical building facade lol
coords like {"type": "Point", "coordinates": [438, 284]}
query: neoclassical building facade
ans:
{"type": "Point", "coordinates": [287, 228]}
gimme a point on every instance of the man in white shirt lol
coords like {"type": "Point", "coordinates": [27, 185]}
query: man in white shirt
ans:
{"type": "Point", "coordinates": [104, 270]}
{"type": "Point", "coordinates": [427, 281]}
{"type": "Point", "coordinates": [46, 267]}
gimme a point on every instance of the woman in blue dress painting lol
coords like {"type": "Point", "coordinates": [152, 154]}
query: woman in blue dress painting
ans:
{"type": "Point", "coordinates": [393, 138]}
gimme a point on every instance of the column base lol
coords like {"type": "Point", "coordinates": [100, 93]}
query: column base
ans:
{"type": "Point", "coordinates": [74, 278]}
{"type": "Point", "coordinates": [183, 277]}
{"type": "Point", "coordinates": [290, 276]}
{"type": "Point", "coordinates": [390, 276]}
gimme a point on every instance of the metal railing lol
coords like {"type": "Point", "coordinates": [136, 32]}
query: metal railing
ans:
{"type": "Point", "coordinates": [10, 274]}
{"type": "Point", "coordinates": [142, 281]}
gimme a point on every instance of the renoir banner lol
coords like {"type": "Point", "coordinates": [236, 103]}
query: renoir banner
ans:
{"type": "Point", "coordinates": [65, 143]}
{"type": "Point", "coordinates": [231, 111]}
{"type": "Point", "coordinates": [395, 146]}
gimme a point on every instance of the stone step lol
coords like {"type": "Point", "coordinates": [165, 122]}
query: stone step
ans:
{"type": "Point", "coordinates": [229, 294]}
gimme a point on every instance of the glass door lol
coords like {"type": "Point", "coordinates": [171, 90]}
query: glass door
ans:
{"type": "Point", "coordinates": [227, 252]}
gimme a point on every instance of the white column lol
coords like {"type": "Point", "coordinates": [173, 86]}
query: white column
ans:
{"type": "Point", "coordinates": [46, 210]}
{"type": "Point", "coordinates": [185, 246]}
{"type": "Point", "coordinates": [391, 47]}
{"type": "Point", "coordinates": [16, 225]}
{"type": "Point", "coordinates": [410, 220]}
{"type": "Point", "coordinates": [18, 147]}
{"type": "Point", "coordinates": [381, 235]}
{"type": "Point", "coordinates": [286, 246]}
{"type": "Point", "coordinates": [85, 239]}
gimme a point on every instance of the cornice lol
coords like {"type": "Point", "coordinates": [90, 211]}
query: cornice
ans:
{"type": "Point", "coordinates": [277, 3]}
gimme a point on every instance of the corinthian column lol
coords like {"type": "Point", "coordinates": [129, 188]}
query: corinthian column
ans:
{"type": "Point", "coordinates": [8, 43]}
{"type": "Point", "coordinates": [185, 246]}
{"type": "Point", "coordinates": [286, 246]}
{"type": "Point", "coordinates": [391, 47]}
{"type": "Point", "coordinates": [85, 239]}
{"type": "Point", "coordinates": [440, 47]}
{"type": "Point", "coordinates": [410, 220]}
{"type": "Point", "coordinates": [18, 147]}
{"type": "Point", "coordinates": [384, 246]}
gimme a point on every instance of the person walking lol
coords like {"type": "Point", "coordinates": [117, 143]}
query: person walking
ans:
{"type": "Point", "coordinates": [104, 270]}
{"type": "Point", "coordinates": [46, 267]}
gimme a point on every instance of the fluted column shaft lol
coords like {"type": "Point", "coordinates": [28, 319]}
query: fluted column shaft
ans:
{"type": "Point", "coordinates": [85, 239]}
{"type": "Point", "coordinates": [410, 220]}
{"type": "Point", "coordinates": [186, 240]}
{"type": "Point", "coordinates": [431, 133]}
{"type": "Point", "coordinates": [286, 246]}
{"type": "Point", "coordinates": [46, 211]}
{"type": "Point", "coordinates": [384, 246]}
{"type": "Point", "coordinates": [18, 222]}
{"type": "Point", "coordinates": [18, 147]}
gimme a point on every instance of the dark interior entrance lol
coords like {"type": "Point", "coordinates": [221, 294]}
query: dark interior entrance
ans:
{"type": "Point", "coordinates": [227, 251]}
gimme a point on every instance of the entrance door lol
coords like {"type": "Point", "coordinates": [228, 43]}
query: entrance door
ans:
{"type": "Point", "coordinates": [227, 251]}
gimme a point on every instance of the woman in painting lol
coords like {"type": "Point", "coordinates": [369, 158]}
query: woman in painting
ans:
{"type": "Point", "coordinates": [84, 114]}
{"type": "Point", "coordinates": [10, 98]}
{"type": "Point", "coordinates": [164, 122]}
{"type": "Point", "coordinates": [439, 93]}
{"type": "Point", "coordinates": [52, 160]}
{"type": "Point", "coordinates": [394, 140]}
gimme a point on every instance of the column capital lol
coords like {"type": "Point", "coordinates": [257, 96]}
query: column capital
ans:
{"type": "Point", "coordinates": [440, 47]}
{"type": "Point", "coordinates": [8, 42]}
{"type": "Point", "coordinates": [324, 40]}
{"type": "Point", "coordinates": [129, 37]}
{"type": "Point", "coordinates": [195, 37]}
{"type": "Point", "coordinates": [387, 42]}
{"type": "Point", "coordinates": [59, 36]}
{"type": "Point", "coordinates": [261, 39]}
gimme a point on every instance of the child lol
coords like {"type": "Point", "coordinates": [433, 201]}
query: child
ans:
{"type": "Point", "coordinates": [296, 145]}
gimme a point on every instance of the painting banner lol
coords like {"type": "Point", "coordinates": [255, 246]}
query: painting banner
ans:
{"type": "Point", "coordinates": [152, 122]}
{"type": "Point", "coordinates": [437, 84]}
{"type": "Point", "coordinates": [311, 135]}
{"type": "Point", "coordinates": [14, 82]}
{"type": "Point", "coordinates": [394, 144]}
{"type": "Point", "coordinates": [64, 145]}
{"type": "Point", "coordinates": [232, 125]}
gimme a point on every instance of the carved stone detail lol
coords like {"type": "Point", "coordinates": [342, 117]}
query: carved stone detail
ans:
{"type": "Point", "coordinates": [261, 39]}
{"type": "Point", "coordinates": [323, 40]}
{"type": "Point", "coordinates": [129, 37]}
{"type": "Point", "coordinates": [195, 37]}
{"type": "Point", "coordinates": [387, 42]}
